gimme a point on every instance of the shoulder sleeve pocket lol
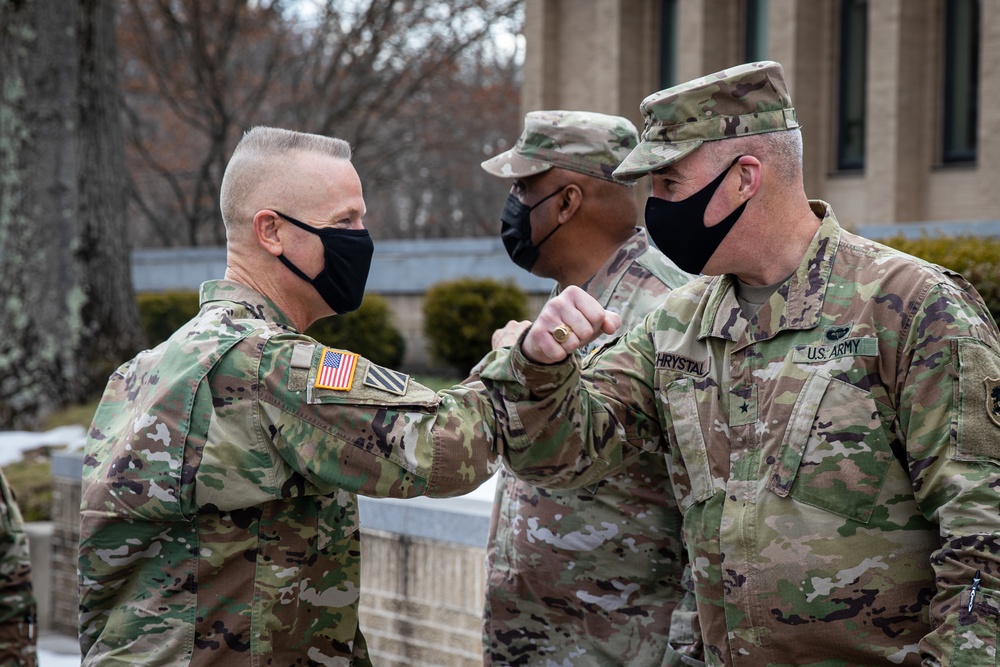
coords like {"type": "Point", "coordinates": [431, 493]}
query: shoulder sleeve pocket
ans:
{"type": "Point", "coordinates": [977, 403]}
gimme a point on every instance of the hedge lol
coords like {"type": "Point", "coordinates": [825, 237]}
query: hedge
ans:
{"type": "Point", "coordinates": [975, 257]}
{"type": "Point", "coordinates": [368, 331]}
{"type": "Point", "coordinates": [460, 317]}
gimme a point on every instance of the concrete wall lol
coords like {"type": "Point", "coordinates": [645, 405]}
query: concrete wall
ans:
{"type": "Point", "coordinates": [422, 577]}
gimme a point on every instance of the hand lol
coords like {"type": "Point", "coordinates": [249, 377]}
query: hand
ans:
{"type": "Point", "coordinates": [509, 334]}
{"type": "Point", "coordinates": [579, 311]}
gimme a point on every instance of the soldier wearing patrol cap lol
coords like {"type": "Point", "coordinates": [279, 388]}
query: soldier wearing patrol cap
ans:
{"type": "Point", "coordinates": [829, 407]}
{"type": "Point", "coordinates": [591, 574]}
{"type": "Point", "coordinates": [219, 522]}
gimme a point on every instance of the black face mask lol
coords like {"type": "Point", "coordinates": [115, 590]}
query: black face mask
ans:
{"type": "Point", "coordinates": [678, 227]}
{"type": "Point", "coordinates": [515, 230]}
{"type": "Point", "coordinates": [348, 254]}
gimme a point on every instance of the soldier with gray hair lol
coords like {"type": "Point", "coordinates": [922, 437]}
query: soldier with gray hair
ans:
{"type": "Point", "coordinates": [587, 575]}
{"type": "Point", "coordinates": [219, 522]}
{"type": "Point", "coordinates": [829, 407]}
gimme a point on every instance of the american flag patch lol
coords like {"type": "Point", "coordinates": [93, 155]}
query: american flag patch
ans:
{"type": "Point", "coordinates": [387, 379]}
{"type": "Point", "coordinates": [336, 370]}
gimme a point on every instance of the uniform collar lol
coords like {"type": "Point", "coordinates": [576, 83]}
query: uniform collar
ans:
{"type": "Point", "coordinates": [603, 284]}
{"type": "Point", "coordinates": [256, 305]}
{"type": "Point", "coordinates": [796, 305]}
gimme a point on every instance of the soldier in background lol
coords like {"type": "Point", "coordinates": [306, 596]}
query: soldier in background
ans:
{"type": "Point", "coordinates": [18, 609]}
{"type": "Point", "coordinates": [219, 521]}
{"type": "Point", "coordinates": [589, 576]}
{"type": "Point", "coordinates": [829, 406]}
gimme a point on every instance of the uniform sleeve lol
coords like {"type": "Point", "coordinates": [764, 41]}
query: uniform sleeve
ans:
{"type": "Point", "coordinates": [563, 428]}
{"type": "Point", "coordinates": [371, 430]}
{"type": "Point", "coordinates": [17, 601]}
{"type": "Point", "coordinates": [949, 417]}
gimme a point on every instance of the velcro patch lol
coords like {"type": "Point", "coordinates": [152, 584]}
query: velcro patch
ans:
{"type": "Point", "coordinates": [387, 379]}
{"type": "Point", "coordinates": [684, 365]}
{"type": "Point", "coordinates": [846, 347]}
{"type": "Point", "coordinates": [336, 370]}
{"type": "Point", "coordinates": [978, 414]}
{"type": "Point", "coordinates": [993, 399]}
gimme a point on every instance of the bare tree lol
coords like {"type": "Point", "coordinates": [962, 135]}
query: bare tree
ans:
{"type": "Point", "coordinates": [379, 73]}
{"type": "Point", "coordinates": [68, 309]}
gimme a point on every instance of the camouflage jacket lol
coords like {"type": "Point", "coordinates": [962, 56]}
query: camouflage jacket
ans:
{"type": "Point", "coordinates": [590, 576]}
{"type": "Point", "coordinates": [834, 457]}
{"type": "Point", "coordinates": [17, 601]}
{"type": "Point", "coordinates": [219, 522]}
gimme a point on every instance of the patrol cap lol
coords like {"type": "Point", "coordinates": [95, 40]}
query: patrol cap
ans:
{"type": "Point", "coordinates": [582, 141]}
{"type": "Point", "coordinates": [742, 100]}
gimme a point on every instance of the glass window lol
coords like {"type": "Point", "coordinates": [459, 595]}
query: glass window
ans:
{"type": "Point", "coordinates": [668, 43]}
{"type": "Point", "coordinates": [961, 80]}
{"type": "Point", "coordinates": [755, 39]}
{"type": "Point", "coordinates": [851, 98]}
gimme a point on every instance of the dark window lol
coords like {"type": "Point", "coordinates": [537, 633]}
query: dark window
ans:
{"type": "Point", "coordinates": [851, 98]}
{"type": "Point", "coordinates": [755, 39]}
{"type": "Point", "coordinates": [961, 80]}
{"type": "Point", "coordinates": [668, 43]}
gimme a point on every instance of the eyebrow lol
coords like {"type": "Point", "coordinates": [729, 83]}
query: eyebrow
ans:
{"type": "Point", "coordinates": [347, 212]}
{"type": "Point", "coordinates": [669, 170]}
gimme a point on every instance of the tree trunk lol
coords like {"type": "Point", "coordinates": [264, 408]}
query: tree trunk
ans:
{"type": "Point", "coordinates": [110, 331]}
{"type": "Point", "coordinates": [53, 129]}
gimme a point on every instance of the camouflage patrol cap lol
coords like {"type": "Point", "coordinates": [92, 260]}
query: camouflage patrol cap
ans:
{"type": "Point", "coordinates": [582, 141]}
{"type": "Point", "coordinates": [748, 99]}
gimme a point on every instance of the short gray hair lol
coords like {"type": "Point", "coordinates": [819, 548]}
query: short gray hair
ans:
{"type": "Point", "coordinates": [253, 162]}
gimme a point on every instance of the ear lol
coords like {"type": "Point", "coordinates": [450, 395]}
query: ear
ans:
{"type": "Point", "coordinates": [569, 202]}
{"type": "Point", "coordinates": [749, 177]}
{"type": "Point", "coordinates": [265, 228]}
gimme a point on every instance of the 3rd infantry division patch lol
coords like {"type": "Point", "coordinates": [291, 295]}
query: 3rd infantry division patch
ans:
{"type": "Point", "coordinates": [387, 379]}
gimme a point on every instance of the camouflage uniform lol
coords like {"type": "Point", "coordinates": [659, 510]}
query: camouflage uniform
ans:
{"type": "Point", "coordinates": [17, 600]}
{"type": "Point", "coordinates": [590, 577]}
{"type": "Point", "coordinates": [219, 522]}
{"type": "Point", "coordinates": [834, 456]}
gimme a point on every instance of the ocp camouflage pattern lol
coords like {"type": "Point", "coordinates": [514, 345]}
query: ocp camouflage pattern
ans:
{"type": "Point", "coordinates": [591, 576]}
{"type": "Point", "coordinates": [219, 519]}
{"type": "Point", "coordinates": [747, 99]}
{"type": "Point", "coordinates": [834, 458]}
{"type": "Point", "coordinates": [582, 141]}
{"type": "Point", "coordinates": [18, 607]}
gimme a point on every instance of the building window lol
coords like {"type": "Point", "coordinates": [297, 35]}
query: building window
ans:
{"type": "Point", "coordinates": [961, 80]}
{"type": "Point", "coordinates": [668, 43]}
{"type": "Point", "coordinates": [851, 98]}
{"type": "Point", "coordinates": [755, 39]}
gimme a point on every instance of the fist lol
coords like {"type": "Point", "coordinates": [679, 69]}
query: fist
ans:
{"type": "Point", "coordinates": [567, 322]}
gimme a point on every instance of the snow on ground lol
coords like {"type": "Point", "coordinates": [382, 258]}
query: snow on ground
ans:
{"type": "Point", "coordinates": [13, 443]}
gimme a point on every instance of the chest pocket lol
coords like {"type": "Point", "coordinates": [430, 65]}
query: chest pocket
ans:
{"type": "Point", "coordinates": [690, 473]}
{"type": "Point", "coordinates": [834, 455]}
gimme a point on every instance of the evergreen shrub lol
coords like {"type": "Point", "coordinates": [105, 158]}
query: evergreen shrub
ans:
{"type": "Point", "coordinates": [369, 331]}
{"type": "Point", "coordinates": [461, 315]}
{"type": "Point", "coordinates": [975, 257]}
{"type": "Point", "coordinates": [163, 313]}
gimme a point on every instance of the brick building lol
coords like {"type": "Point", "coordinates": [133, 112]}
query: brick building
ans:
{"type": "Point", "coordinates": [899, 100]}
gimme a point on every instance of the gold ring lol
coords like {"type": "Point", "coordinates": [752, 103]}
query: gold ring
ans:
{"type": "Point", "coordinates": [561, 333]}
